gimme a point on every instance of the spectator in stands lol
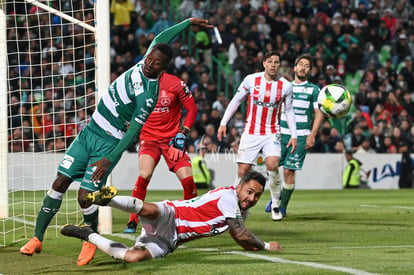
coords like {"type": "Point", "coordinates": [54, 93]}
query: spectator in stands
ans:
{"type": "Point", "coordinates": [392, 105]}
{"type": "Point", "coordinates": [357, 137]}
{"type": "Point", "coordinates": [121, 10]}
{"type": "Point", "coordinates": [323, 142]}
{"type": "Point", "coordinates": [376, 140]}
{"type": "Point", "coordinates": [339, 147]}
{"type": "Point", "coordinates": [389, 146]}
{"type": "Point", "coordinates": [365, 147]}
{"type": "Point", "coordinates": [162, 23]}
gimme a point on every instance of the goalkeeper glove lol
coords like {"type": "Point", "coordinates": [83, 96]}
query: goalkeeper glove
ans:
{"type": "Point", "coordinates": [176, 150]}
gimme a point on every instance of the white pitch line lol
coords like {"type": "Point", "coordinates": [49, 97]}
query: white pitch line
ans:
{"type": "Point", "coordinates": [273, 259]}
{"type": "Point", "coordinates": [382, 206]}
{"type": "Point", "coordinates": [310, 264]}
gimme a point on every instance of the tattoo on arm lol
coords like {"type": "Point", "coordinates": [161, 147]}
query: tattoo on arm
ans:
{"type": "Point", "coordinates": [242, 235]}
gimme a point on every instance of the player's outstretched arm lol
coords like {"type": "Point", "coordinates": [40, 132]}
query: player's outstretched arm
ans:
{"type": "Point", "coordinates": [200, 22]}
{"type": "Point", "coordinates": [248, 240]}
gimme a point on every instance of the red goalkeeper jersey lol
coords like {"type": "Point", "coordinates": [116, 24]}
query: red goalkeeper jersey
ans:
{"type": "Point", "coordinates": [164, 122]}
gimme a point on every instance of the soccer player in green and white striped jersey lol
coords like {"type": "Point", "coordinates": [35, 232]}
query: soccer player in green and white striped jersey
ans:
{"type": "Point", "coordinates": [116, 122]}
{"type": "Point", "coordinates": [308, 120]}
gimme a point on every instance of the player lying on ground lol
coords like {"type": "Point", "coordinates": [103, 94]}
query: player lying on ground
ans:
{"type": "Point", "coordinates": [168, 224]}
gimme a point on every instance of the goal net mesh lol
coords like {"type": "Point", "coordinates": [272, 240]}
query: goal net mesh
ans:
{"type": "Point", "coordinates": [50, 96]}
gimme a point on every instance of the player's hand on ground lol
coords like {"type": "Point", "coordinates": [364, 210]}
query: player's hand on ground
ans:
{"type": "Point", "coordinates": [102, 166]}
{"type": "Point", "coordinates": [200, 22]}
{"type": "Point", "coordinates": [221, 132]}
{"type": "Point", "coordinates": [293, 142]}
{"type": "Point", "coordinates": [177, 149]}
{"type": "Point", "coordinates": [274, 246]}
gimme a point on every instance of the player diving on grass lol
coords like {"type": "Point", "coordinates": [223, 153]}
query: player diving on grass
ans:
{"type": "Point", "coordinates": [116, 122]}
{"type": "Point", "coordinates": [168, 224]}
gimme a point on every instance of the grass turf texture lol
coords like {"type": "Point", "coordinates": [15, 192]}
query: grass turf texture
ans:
{"type": "Point", "coordinates": [326, 232]}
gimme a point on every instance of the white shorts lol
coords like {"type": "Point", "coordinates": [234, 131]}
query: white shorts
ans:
{"type": "Point", "coordinates": [158, 236]}
{"type": "Point", "coordinates": [250, 146]}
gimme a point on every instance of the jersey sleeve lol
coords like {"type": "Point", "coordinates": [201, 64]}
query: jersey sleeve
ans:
{"type": "Point", "coordinates": [187, 99]}
{"type": "Point", "coordinates": [315, 95]}
{"type": "Point", "coordinates": [229, 207]}
{"type": "Point", "coordinates": [237, 99]}
{"type": "Point", "coordinates": [290, 112]}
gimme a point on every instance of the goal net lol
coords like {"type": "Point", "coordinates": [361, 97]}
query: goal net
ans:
{"type": "Point", "coordinates": [49, 85]}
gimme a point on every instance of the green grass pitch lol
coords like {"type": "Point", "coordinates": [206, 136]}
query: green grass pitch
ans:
{"type": "Point", "coordinates": [326, 232]}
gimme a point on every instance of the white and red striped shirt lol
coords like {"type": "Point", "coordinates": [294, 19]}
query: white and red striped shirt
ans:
{"type": "Point", "coordinates": [206, 215]}
{"type": "Point", "coordinates": [264, 104]}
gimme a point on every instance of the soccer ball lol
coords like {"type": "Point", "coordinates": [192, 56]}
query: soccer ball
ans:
{"type": "Point", "coordinates": [334, 101]}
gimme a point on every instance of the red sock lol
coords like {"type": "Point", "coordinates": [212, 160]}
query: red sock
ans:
{"type": "Point", "coordinates": [140, 192]}
{"type": "Point", "coordinates": [190, 190]}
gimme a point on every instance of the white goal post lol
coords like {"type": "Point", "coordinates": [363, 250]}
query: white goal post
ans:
{"type": "Point", "coordinates": [54, 64]}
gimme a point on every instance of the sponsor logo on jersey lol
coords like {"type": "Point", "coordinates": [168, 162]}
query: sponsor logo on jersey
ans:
{"type": "Point", "coordinates": [302, 96]}
{"type": "Point", "coordinates": [161, 109]}
{"type": "Point", "coordinates": [138, 89]}
{"type": "Point", "coordinates": [112, 91]}
{"type": "Point", "coordinates": [67, 161]}
{"type": "Point", "coordinates": [265, 104]}
{"type": "Point", "coordinates": [139, 121]}
{"type": "Point", "coordinates": [165, 101]}
{"type": "Point", "coordinates": [149, 102]}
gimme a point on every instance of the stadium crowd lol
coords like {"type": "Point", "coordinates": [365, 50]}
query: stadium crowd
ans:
{"type": "Point", "coordinates": [366, 45]}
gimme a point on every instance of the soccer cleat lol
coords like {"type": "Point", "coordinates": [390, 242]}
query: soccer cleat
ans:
{"type": "Point", "coordinates": [86, 254]}
{"type": "Point", "coordinates": [32, 246]}
{"type": "Point", "coordinates": [80, 232]}
{"type": "Point", "coordinates": [276, 214]}
{"type": "Point", "coordinates": [131, 227]}
{"type": "Point", "coordinates": [268, 206]}
{"type": "Point", "coordinates": [103, 196]}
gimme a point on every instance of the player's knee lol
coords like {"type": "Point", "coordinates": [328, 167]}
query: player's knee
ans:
{"type": "Point", "coordinates": [145, 174]}
{"type": "Point", "coordinates": [61, 183]}
{"type": "Point", "coordinates": [137, 255]}
{"type": "Point", "coordinates": [81, 199]}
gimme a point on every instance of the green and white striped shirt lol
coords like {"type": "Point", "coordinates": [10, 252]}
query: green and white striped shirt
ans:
{"type": "Point", "coordinates": [305, 101]}
{"type": "Point", "coordinates": [129, 100]}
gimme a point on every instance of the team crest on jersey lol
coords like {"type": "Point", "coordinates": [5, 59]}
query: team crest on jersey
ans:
{"type": "Point", "coordinates": [67, 161]}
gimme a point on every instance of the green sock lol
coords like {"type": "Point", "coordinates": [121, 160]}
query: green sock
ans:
{"type": "Point", "coordinates": [48, 210]}
{"type": "Point", "coordinates": [286, 194]}
{"type": "Point", "coordinates": [92, 220]}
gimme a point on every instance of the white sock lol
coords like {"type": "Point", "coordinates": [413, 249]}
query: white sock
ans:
{"type": "Point", "coordinates": [113, 249]}
{"type": "Point", "coordinates": [274, 186]}
{"type": "Point", "coordinates": [127, 203]}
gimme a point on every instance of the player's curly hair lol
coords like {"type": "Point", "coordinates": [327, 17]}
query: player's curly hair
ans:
{"type": "Point", "coordinates": [253, 175]}
{"type": "Point", "coordinates": [165, 49]}
{"type": "Point", "coordinates": [305, 56]}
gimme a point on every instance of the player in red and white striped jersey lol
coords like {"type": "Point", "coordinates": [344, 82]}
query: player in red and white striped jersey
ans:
{"type": "Point", "coordinates": [162, 125]}
{"type": "Point", "coordinates": [167, 224]}
{"type": "Point", "coordinates": [266, 92]}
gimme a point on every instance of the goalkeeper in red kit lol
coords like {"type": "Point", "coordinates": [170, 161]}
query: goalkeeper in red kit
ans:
{"type": "Point", "coordinates": [162, 135]}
